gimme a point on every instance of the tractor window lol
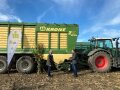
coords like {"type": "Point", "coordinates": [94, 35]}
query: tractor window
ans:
{"type": "Point", "coordinates": [108, 44]}
{"type": "Point", "coordinates": [104, 43]}
{"type": "Point", "coordinates": [100, 44]}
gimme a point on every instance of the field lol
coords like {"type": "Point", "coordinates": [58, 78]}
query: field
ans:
{"type": "Point", "coordinates": [86, 80]}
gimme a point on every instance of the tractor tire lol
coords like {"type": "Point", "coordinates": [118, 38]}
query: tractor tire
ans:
{"type": "Point", "coordinates": [100, 62]}
{"type": "Point", "coordinates": [89, 62]}
{"type": "Point", "coordinates": [25, 64]}
{"type": "Point", "coordinates": [3, 64]}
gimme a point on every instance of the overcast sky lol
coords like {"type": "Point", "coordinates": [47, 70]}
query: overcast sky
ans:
{"type": "Point", "coordinates": [98, 18]}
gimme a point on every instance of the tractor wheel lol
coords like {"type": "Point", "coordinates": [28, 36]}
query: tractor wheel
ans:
{"type": "Point", "coordinates": [25, 64]}
{"type": "Point", "coordinates": [100, 62]}
{"type": "Point", "coordinates": [89, 63]}
{"type": "Point", "coordinates": [3, 64]}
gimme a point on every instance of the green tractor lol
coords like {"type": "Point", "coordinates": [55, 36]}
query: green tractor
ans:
{"type": "Point", "coordinates": [101, 55]}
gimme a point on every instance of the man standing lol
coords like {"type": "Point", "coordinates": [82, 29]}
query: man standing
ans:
{"type": "Point", "coordinates": [49, 62]}
{"type": "Point", "coordinates": [74, 62]}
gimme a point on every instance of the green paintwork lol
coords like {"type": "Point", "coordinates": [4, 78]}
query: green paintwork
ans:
{"type": "Point", "coordinates": [84, 48]}
{"type": "Point", "coordinates": [71, 30]}
{"type": "Point", "coordinates": [82, 45]}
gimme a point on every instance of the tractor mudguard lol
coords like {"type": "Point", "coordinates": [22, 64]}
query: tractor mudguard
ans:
{"type": "Point", "coordinates": [97, 50]}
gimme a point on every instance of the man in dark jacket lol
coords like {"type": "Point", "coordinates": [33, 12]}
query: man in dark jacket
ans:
{"type": "Point", "coordinates": [74, 62]}
{"type": "Point", "coordinates": [49, 62]}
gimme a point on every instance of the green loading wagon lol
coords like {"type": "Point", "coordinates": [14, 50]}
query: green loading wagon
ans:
{"type": "Point", "coordinates": [61, 38]}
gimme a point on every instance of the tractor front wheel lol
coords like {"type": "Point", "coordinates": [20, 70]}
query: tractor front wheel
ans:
{"type": "Point", "coordinates": [100, 62]}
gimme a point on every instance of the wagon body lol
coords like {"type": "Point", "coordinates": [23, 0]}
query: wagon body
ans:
{"type": "Point", "coordinates": [61, 38]}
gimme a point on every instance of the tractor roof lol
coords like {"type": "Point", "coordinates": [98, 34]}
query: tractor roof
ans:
{"type": "Point", "coordinates": [103, 38]}
{"type": "Point", "coordinates": [93, 39]}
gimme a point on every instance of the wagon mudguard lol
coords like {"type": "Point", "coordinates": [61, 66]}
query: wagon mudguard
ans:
{"type": "Point", "coordinates": [97, 50]}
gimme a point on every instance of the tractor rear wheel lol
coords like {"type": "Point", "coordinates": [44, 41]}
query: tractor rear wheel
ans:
{"type": "Point", "coordinates": [3, 64]}
{"type": "Point", "coordinates": [100, 62]}
{"type": "Point", "coordinates": [25, 64]}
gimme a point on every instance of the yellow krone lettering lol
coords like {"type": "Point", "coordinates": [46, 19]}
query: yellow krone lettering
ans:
{"type": "Point", "coordinates": [47, 29]}
{"type": "Point", "coordinates": [43, 28]}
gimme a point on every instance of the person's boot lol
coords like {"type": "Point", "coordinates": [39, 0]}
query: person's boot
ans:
{"type": "Point", "coordinates": [75, 75]}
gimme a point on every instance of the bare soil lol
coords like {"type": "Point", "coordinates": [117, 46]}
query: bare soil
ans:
{"type": "Point", "coordinates": [86, 80]}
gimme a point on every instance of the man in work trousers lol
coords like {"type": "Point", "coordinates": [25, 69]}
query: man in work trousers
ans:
{"type": "Point", "coordinates": [49, 62]}
{"type": "Point", "coordinates": [74, 62]}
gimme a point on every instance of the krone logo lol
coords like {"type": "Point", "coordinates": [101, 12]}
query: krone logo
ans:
{"type": "Point", "coordinates": [42, 28]}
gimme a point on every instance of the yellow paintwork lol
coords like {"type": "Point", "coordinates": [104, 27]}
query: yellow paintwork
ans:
{"type": "Point", "coordinates": [63, 40]}
{"type": "Point", "coordinates": [58, 58]}
{"type": "Point", "coordinates": [3, 45]}
{"type": "Point", "coordinates": [54, 40]}
{"type": "Point", "coordinates": [15, 28]}
{"type": "Point", "coordinates": [43, 39]}
{"type": "Point", "coordinates": [29, 38]}
{"type": "Point", "coordinates": [3, 37]}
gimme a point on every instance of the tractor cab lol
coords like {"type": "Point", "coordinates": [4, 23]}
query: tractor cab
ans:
{"type": "Point", "coordinates": [105, 43]}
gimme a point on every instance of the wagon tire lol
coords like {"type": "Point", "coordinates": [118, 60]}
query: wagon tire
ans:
{"type": "Point", "coordinates": [3, 64]}
{"type": "Point", "coordinates": [25, 64]}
